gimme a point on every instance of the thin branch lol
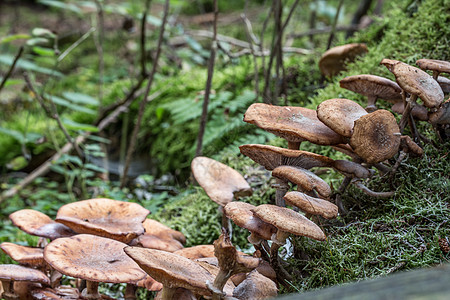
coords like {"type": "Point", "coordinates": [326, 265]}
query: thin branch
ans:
{"type": "Point", "coordinates": [145, 100]}
{"type": "Point", "coordinates": [99, 46]}
{"type": "Point", "coordinates": [212, 58]}
{"type": "Point", "coordinates": [333, 27]}
{"type": "Point", "coordinates": [76, 44]}
{"type": "Point", "coordinates": [52, 113]}
{"type": "Point", "coordinates": [11, 68]}
{"type": "Point", "coordinates": [143, 37]}
{"type": "Point", "coordinates": [327, 29]}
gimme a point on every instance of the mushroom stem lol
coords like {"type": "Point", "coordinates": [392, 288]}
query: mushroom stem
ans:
{"type": "Point", "coordinates": [407, 112]}
{"type": "Point", "coordinates": [369, 192]}
{"type": "Point", "coordinates": [221, 279]}
{"type": "Point", "coordinates": [91, 290]}
{"type": "Point", "coordinates": [371, 100]}
{"type": "Point", "coordinates": [130, 292]}
{"type": "Point", "coordinates": [341, 190]}
{"type": "Point", "coordinates": [400, 158]}
{"type": "Point", "coordinates": [277, 241]}
{"type": "Point", "coordinates": [8, 290]}
{"type": "Point", "coordinates": [436, 74]}
{"type": "Point", "coordinates": [168, 293]}
{"type": "Point", "coordinates": [282, 188]}
{"type": "Point", "coordinates": [294, 145]}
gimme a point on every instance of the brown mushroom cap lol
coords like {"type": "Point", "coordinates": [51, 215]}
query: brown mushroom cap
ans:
{"type": "Point", "coordinates": [441, 66]}
{"type": "Point", "coordinates": [33, 257]}
{"type": "Point", "coordinates": [242, 216]}
{"type": "Point", "coordinates": [220, 182]}
{"type": "Point", "coordinates": [351, 169]}
{"type": "Point", "coordinates": [311, 205]}
{"type": "Point", "coordinates": [305, 179]}
{"type": "Point", "coordinates": [150, 284]}
{"type": "Point", "coordinates": [36, 223]}
{"type": "Point", "coordinates": [155, 242]}
{"type": "Point", "coordinates": [287, 220]}
{"type": "Point", "coordinates": [60, 292]}
{"type": "Point", "coordinates": [444, 83]}
{"type": "Point", "coordinates": [419, 112]}
{"type": "Point", "coordinates": [114, 219]}
{"type": "Point", "coordinates": [196, 252]}
{"type": "Point", "coordinates": [172, 270]}
{"type": "Point", "coordinates": [271, 157]}
{"type": "Point", "coordinates": [156, 228]}
{"type": "Point", "coordinates": [256, 286]}
{"type": "Point", "coordinates": [295, 124]}
{"type": "Point", "coordinates": [376, 136]}
{"type": "Point", "coordinates": [416, 82]}
{"type": "Point", "coordinates": [372, 85]}
{"type": "Point", "coordinates": [333, 60]}
{"type": "Point", "coordinates": [20, 273]}
{"type": "Point", "coordinates": [93, 258]}
{"type": "Point", "coordinates": [340, 115]}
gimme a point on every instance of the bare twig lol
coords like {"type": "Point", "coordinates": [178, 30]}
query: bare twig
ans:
{"type": "Point", "coordinates": [143, 37]}
{"type": "Point", "coordinates": [212, 58]}
{"type": "Point", "coordinates": [99, 46]}
{"type": "Point", "coordinates": [11, 68]}
{"type": "Point", "coordinates": [333, 27]}
{"type": "Point", "coordinates": [144, 101]}
{"type": "Point", "coordinates": [52, 113]}
{"type": "Point", "coordinates": [252, 39]}
{"type": "Point", "coordinates": [327, 29]}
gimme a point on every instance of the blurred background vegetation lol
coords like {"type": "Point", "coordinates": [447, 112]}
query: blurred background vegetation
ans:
{"type": "Point", "coordinates": [84, 56]}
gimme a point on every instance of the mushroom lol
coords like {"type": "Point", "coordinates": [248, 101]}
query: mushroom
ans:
{"type": "Point", "coordinates": [36, 223]}
{"type": "Point", "coordinates": [27, 256]}
{"type": "Point", "coordinates": [230, 263]}
{"type": "Point", "coordinates": [93, 258]}
{"type": "Point", "coordinates": [340, 115]}
{"type": "Point", "coordinates": [376, 136]}
{"type": "Point", "coordinates": [272, 157]}
{"type": "Point", "coordinates": [109, 218]}
{"type": "Point", "coordinates": [444, 83]}
{"type": "Point", "coordinates": [255, 286]}
{"type": "Point", "coordinates": [172, 270]}
{"type": "Point", "coordinates": [441, 120]}
{"type": "Point", "coordinates": [418, 84]}
{"type": "Point", "coordinates": [221, 183]}
{"type": "Point", "coordinates": [333, 60]}
{"type": "Point", "coordinates": [61, 292]}
{"type": "Point", "coordinates": [311, 205]}
{"type": "Point", "coordinates": [196, 252]}
{"type": "Point", "coordinates": [373, 87]}
{"type": "Point", "coordinates": [295, 124]}
{"type": "Point", "coordinates": [304, 179]}
{"type": "Point", "coordinates": [418, 112]}
{"type": "Point", "coordinates": [287, 221]}
{"type": "Point", "coordinates": [15, 273]}
{"type": "Point", "coordinates": [159, 236]}
{"type": "Point", "coordinates": [437, 66]}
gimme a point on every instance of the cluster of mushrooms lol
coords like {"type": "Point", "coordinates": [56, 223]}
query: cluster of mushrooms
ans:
{"type": "Point", "coordinates": [108, 241]}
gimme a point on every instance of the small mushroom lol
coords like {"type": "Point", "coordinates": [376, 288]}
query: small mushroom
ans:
{"type": "Point", "coordinates": [304, 179]}
{"type": "Point", "coordinates": [27, 256]}
{"type": "Point", "coordinates": [333, 60]}
{"type": "Point", "coordinates": [437, 66]}
{"type": "Point", "coordinates": [295, 124]}
{"type": "Point", "coordinates": [159, 236]}
{"type": "Point", "coordinates": [373, 87]}
{"type": "Point", "coordinates": [221, 183]}
{"type": "Point", "coordinates": [36, 223]}
{"type": "Point", "coordinates": [9, 274]}
{"type": "Point", "coordinates": [93, 258]}
{"type": "Point", "coordinates": [60, 292]}
{"type": "Point", "coordinates": [418, 112]}
{"type": "Point", "coordinates": [441, 120]}
{"type": "Point", "coordinates": [311, 205]}
{"type": "Point", "coordinates": [196, 252]}
{"type": "Point", "coordinates": [444, 83]}
{"type": "Point", "coordinates": [255, 286]}
{"type": "Point", "coordinates": [109, 218]}
{"type": "Point", "coordinates": [340, 115]}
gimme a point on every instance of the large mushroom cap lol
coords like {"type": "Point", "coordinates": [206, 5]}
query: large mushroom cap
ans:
{"type": "Point", "coordinates": [440, 66]}
{"type": "Point", "coordinates": [295, 124]}
{"type": "Point", "coordinates": [92, 258]}
{"type": "Point", "coordinates": [376, 136]}
{"type": "Point", "coordinates": [36, 223]}
{"type": "Point", "coordinates": [172, 270]}
{"type": "Point", "coordinates": [20, 273]}
{"type": "Point", "coordinates": [220, 182]}
{"type": "Point", "coordinates": [114, 219]}
{"type": "Point", "coordinates": [333, 61]}
{"type": "Point", "coordinates": [306, 180]}
{"type": "Point", "coordinates": [416, 82]}
{"type": "Point", "coordinates": [340, 115]}
{"type": "Point", "coordinates": [311, 205]}
{"type": "Point", "coordinates": [33, 257]}
{"type": "Point", "coordinates": [372, 85]}
{"type": "Point", "coordinates": [271, 157]}
{"type": "Point", "coordinates": [242, 216]}
{"type": "Point", "coordinates": [287, 220]}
